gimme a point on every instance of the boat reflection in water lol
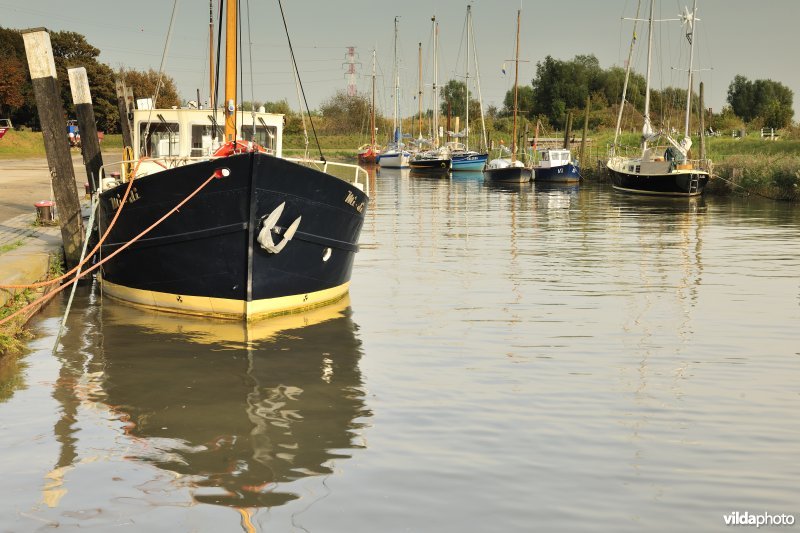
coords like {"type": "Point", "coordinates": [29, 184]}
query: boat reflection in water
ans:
{"type": "Point", "coordinates": [237, 412]}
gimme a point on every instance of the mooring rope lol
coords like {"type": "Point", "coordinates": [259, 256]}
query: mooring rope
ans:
{"type": "Point", "coordinates": [49, 295]}
{"type": "Point", "coordinates": [88, 256]}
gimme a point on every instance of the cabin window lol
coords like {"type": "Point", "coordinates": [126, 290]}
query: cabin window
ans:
{"type": "Point", "coordinates": [266, 136]}
{"type": "Point", "coordinates": [202, 139]}
{"type": "Point", "coordinates": [160, 140]}
{"type": "Point", "coordinates": [545, 156]}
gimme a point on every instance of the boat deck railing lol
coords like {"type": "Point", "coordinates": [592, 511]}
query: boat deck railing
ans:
{"type": "Point", "coordinates": [616, 156]}
{"type": "Point", "coordinates": [343, 171]}
{"type": "Point", "coordinates": [137, 168]}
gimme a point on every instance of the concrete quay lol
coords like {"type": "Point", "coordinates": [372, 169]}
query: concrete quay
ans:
{"type": "Point", "coordinates": [26, 247]}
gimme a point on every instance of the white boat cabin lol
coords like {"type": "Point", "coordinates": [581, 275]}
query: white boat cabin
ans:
{"type": "Point", "coordinates": [549, 158]}
{"type": "Point", "coordinates": [182, 133]}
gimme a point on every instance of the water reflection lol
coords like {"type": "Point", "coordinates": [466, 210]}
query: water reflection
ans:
{"type": "Point", "coordinates": [12, 377]}
{"type": "Point", "coordinates": [240, 411]}
{"type": "Point", "coordinates": [509, 187]}
{"type": "Point", "coordinates": [467, 176]}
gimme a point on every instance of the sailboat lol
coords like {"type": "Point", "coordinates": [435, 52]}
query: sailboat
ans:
{"type": "Point", "coordinates": [510, 170]}
{"type": "Point", "coordinates": [463, 157]}
{"type": "Point", "coordinates": [368, 153]}
{"type": "Point", "coordinates": [437, 159]}
{"type": "Point", "coordinates": [665, 170]}
{"type": "Point", "coordinates": [395, 155]}
{"type": "Point", "coordinates": [233, 230]}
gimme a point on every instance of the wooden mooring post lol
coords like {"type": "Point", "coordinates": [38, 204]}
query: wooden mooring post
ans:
{"type": "Point", "coordinates": [702, 124]}
{"type": "Point", "coordinates": [42, 67]}
{"type": "Point", "coordinates": [585, 130]}
{"type": "Point", "coordinates": [125, 107]}
{"type": "Point", "coordinates": [567, 130]}
{"type": "Point", "coordinates": [90, 144]}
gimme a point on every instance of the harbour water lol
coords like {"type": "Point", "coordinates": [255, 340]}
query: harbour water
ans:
{"type": "Point", "coordinates": [510, 358]}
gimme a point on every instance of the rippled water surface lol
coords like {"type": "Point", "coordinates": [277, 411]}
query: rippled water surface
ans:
{"type": "Point", "coordinates": [510, 358]}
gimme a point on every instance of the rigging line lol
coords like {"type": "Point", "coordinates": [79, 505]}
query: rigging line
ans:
{"type": "Point", "coordinates": [294, 61]}
{"type": "Point", "coordinates": [161, 71]}
{"type": "Point", "coordinates": [252, 89]}
{"type": "Point", "coordinates": [478, 85]}
{"type": "Point", "coordinates": [219, 60]}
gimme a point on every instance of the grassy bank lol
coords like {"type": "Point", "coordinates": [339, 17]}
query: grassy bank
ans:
{"type": "Point", "coordinates": [760, 166]}
{"type": "Point", "coordinates": [13, 333]}
{"type": "Point", "coordinates": [771, 176]}
{"type": "Point", "coordinates": [30, 144]}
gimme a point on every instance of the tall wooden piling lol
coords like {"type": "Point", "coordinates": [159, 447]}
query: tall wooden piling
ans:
{"type": "Point", "coordinates": [54, 131]}
{"type": "Point", "coordinates": [125, 107]}
{"type": "Point", "coordinates": [567, 130]}
{"type": "Point", "coordinates": [585, 129]}
{"type": "Point", "coordinates": [90, 144]}
{"type": "Point", "coordinates": [702, 124]}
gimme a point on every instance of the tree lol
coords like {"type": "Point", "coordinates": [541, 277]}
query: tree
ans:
{"type": "Point", "coordinates": [767, 100]}
{"type": "Point", "coordinates": [11, 49]}
{"type": "Point", "coordinates": [741, 97]}
{"type": "Point", "coordinates": [525, 103]}
{"type": "Point", "coordinates": [144, 86]}
{"type": "Point", "coordinates": [560, 86]}
{"type": "Point", "coordinates": [344, 113]}
{"type": "Point", "coordinates": [12, 82]}
{"type": "Point", "coordinates": [71, 50]}
{"type": "Point", "coordinates": [455, 93]}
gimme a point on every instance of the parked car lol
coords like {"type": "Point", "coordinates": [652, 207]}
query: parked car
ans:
{"type": "Point", "coordinates": [5, 125]}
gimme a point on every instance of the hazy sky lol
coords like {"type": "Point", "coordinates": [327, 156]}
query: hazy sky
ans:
{"type": "Point", "coordinates": [758, 39]}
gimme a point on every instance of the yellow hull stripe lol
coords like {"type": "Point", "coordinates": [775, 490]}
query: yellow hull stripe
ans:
{"type": "Point", "coordinates": [224, 307]}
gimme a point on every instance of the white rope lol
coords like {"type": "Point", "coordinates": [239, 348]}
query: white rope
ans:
{"type": "Point", "coordinates": [95, 203]}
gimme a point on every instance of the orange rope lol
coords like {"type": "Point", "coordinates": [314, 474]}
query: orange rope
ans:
{"type": "Point", "coordinates": [94, 267]}
{"type": "Point", "coordinates": [88, 256]}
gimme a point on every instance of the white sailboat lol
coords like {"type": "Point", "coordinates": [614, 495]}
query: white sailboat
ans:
{"type": "Point", "coordinates": [510, 170]}
{"type": "Point", "coordinates": [395, 155]}
{"type": "Point", "coordinates": [665, 170]}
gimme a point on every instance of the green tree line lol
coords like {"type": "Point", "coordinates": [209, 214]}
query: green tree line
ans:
{"type": "Point", "coordinates": [559, 87]}
{"type": "Point", "coordinates": [70, 50]}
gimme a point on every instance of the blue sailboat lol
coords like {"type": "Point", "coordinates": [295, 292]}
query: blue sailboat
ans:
{"type": "Point", "coordinates": [462, 157]}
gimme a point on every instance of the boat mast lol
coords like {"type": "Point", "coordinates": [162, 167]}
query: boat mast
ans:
{"type": "Point", "coordinates": [477, 79]}
{"type": "Point", "coordinates": [230, 71]}
{"type": "Point", "coordinates": [466, 84]}
{"type": "Point", "coordinates": [516, 80]}
{"type": "Point", "coordinates": [395, 75]}
{"type": "Point", "coordinates": [647, 128]}
{"type": "Point", "coordinates": [211, 95]}
{"type": "Point", "coordinates": [625, 83]}
{"type": "Point", "coordinates": [690, 35]}
{"type": "Point", "coordinates": [419, 91]}
{"type": "Point", "coordinates": [435, 82]}
{"type": "Point", "coordinates": [372, 116]}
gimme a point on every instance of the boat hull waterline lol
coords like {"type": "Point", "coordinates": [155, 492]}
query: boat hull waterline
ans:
{"type": "Point", "coordinates": [681, 183]}
{"type": "Point", "coordinates": [511, 174]}
{"type": "Point", "coordinates": [205, 258]}
{"type": "Point", "coordinates": [469, 161]}
{"type": "Point", "coordinates": [568, 173]}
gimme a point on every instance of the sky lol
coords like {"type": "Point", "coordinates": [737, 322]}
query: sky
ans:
{"type": "Point", "coordinates": [757, 39]}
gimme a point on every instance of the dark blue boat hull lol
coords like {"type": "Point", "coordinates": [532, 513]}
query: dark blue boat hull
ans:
{"type": "Point", "coordinates": [561, 173]}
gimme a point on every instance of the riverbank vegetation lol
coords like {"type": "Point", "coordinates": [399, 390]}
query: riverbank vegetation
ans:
{"type": "Point", "coordinates": [558, 93]}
